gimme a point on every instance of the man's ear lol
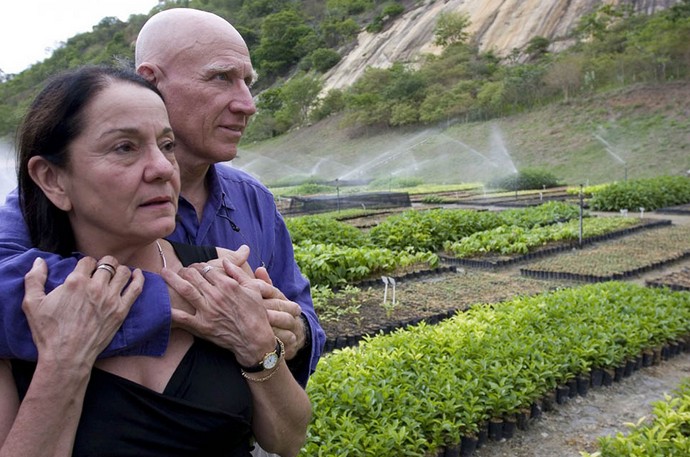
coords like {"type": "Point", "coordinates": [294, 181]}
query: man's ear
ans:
{"type": "Point", "coordinates": [150, 72]}
{"type": "Point", "coordinates": [51, 180]}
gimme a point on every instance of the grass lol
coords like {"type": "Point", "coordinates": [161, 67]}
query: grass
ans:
{"type": "Point", "coordinates": [647, 125]}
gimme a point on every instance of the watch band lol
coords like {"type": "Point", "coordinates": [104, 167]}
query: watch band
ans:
{"type": "Point", "coordinates": [276, 354]}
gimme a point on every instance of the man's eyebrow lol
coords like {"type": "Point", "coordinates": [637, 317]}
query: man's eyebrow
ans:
{"type": "Point", "coordinates": [232, 69]}
{"type": "Point", "coordinates": [254, 77]}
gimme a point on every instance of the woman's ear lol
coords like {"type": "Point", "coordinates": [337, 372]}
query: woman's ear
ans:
{"type": "Point", "coordinates": [51, 180]}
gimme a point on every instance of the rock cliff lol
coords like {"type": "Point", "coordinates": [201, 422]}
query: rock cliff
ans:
{"type": "Point", "coordinates": [501, 25]}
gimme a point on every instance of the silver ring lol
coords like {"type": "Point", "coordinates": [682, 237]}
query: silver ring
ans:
{"type": "Point", "coordinates": [107, 267]}
{"type": "Point", "coordinates": [206, 269]}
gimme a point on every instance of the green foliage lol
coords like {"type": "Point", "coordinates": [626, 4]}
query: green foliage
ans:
{"type": "Point", "coordinates": [328, 302]}
{"type": "Point", "coordinates": [615, 47]}
{"type": "Point", "coordinates": [337, 265]}
{"type": "Point", "coordinates": [514, 239]}
{"type": "Point", "coordinates": [332, 103]}
{"type": "Point", "coordinates": [309, 188]}
{"type": "Point", "coordinates": [325, 230]}
{"type": "Point", "coordinates": [392, 9]}
{"type": "Point", "coordinates": [430, 231]}
{"type": "Point", "coordinates": [537, 47]}
{"type": "Point", "coordinates": [436, 384]}
{"type": "Point", "coordinates": [395, 183]}
{"type": "Point", "coordinates": [650, 194]}
{"type": "Point", "coordinates": [298, 96]}
{"type": "Point", "coordinates": [348, 7]}
{"type": "Point", "coordinates": [285, 39]}
{"type": "Point", "coordinates": [388, 12]}
{"type": "Point", "coordinates": [282, 108]}
{"type": "Point", "coordinates": [526, 179]}
{"type": "Point", "coordinates": [338, 31]}
{"type": "Point", "coordinates": [323, 59]}
{"type": "Point", "coordinates": [426, 231]}
{"type": "Point", "coordinates": [451, 28]}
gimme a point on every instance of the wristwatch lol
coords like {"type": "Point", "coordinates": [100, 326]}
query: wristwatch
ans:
{"type": "Point", "coordinates": [270, 359]}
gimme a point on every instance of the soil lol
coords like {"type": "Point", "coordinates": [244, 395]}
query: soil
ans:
{"type": "Point", "coordinates": [569, 428]}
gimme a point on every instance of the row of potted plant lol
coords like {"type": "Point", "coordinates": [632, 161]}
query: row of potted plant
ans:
{"type": "Point", "coordinates": [518, 240]}
{"type": "Point", "coordinates": [428, 230]}
{"type": "Point", "coordinates": [418, 390]}
{"type": "Point", "coordinates": [649, 193]}
{"type": "Point", "coordinates": [618, 257]}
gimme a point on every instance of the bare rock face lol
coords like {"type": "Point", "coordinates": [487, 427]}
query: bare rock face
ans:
{"type": "Point", "coordinates": [501, 25]}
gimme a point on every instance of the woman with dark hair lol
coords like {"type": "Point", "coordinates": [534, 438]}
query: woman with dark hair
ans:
{"type": "Point", "coordinates": [98, 178]}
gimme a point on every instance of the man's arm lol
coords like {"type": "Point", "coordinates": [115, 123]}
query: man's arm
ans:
{"type": "Point", "coordinates": [144, 332]}
{"type": "Point", "coordinates": [288, 278]}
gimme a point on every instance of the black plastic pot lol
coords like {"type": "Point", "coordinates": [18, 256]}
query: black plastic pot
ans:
{"type": "Point", "coordinates": [509, 427]}
{"type": "Point", "coordinates": [496, 429]}
{"type": "Point", "coordinates": [647, 358]}
{"type": "Point", "coordinates": [522, 418]}
{"type": "Point", "coordinates": [483, 434]}
{"type": "Point", "coordinates": [452, 451]}
{"type": "Point", "coordinates": [609, 376]}
{"type": "Point", "coordinates": [597, 377]}
{"type": "Point", "coordinates": [468, 445]}
{"type": "Point", "coordinates": [583, 383]}
{"type": "Point", "coordinates": [562, 394]}
{"type": "Point", "coordinates": [536, 410]}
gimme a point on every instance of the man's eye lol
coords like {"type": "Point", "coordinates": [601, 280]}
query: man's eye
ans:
{"type": "Point", "coordinates": [168, 146]}
{"type": "Point", "coordinates": [222, 77]}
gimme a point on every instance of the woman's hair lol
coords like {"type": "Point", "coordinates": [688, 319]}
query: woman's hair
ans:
{"type": "Point", "coordinates": [54, 120]}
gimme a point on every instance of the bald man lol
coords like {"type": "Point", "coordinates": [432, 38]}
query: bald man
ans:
{"type": "Point", "coordinates": [202, 66]}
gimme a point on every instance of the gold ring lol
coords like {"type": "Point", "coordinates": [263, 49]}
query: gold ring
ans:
{"type": "Point", "coordinates": [107, 267]}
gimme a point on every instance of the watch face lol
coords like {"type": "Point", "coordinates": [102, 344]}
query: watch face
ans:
{"type": "Point", "coordinates": [271, 361]}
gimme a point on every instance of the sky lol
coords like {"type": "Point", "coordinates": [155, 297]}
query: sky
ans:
{"type": "Point", "coordinates": [30, 29]}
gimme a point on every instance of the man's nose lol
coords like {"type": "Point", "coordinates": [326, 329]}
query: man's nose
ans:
{"type": "Point", "coordinates": [242, 100]}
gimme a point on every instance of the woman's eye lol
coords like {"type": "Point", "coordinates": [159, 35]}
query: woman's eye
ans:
{"type": "Point", "coordinates": [124, 147]}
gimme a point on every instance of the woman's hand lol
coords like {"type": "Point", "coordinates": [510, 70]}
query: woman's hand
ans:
{"type": "Point", "coordinates": [77, 320]}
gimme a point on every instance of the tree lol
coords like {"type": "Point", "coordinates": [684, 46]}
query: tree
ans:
{"type": "Point", "coordinates": [335, 32]}
{"type": "Point", "coordinates": [299, 95]}
{"type": "Point", "coordinates": [332, 103]}
{"type": "Point", "coordinates": [565, 74]}
{"type": "Point", "coordinates": [323, 59]}
{"type": "Point", "coordinates": [537, 47]}
{"type": "Point", "coordinates": [285, 39]}
{"type": "Point", "coordinates": [451, 28]}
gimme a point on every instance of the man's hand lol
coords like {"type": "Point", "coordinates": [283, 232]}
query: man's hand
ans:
{"type": "Point", "coordinates": [78, 319]}
{"type": "Point", "coordinates": [288, 327]}
{"type": "Point", "coordinates": [229, 309]}
{"type": "Point", "coordinates": [185, 297]}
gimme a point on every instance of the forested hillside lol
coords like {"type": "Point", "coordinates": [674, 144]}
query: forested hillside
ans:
{"type": "Point", "coordinates": [294, 44]}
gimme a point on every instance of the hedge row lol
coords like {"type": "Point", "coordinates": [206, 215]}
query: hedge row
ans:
{"type": "Point", "coordinates": [417, 390]}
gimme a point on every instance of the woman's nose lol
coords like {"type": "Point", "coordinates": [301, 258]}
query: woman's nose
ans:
{"type": "Point", "coordinates": [159, 166]}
